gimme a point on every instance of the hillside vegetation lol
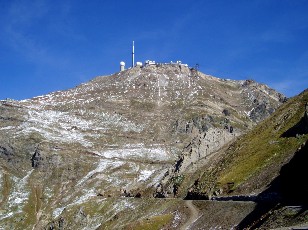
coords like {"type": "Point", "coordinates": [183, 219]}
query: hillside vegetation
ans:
{"type": "Point", "coordinates": [255, 159]}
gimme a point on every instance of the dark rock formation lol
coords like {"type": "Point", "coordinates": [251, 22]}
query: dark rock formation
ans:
{"type": "Point", "coordinates": [226, 112]}
{"type": "Point", "coordinates": [260, 112]}
{"type": "Point", "coordinates": [300, 128]}
{"type": "Point", "coordinates": [36, 159]}
{"type": "Point", "coordinates": [6, 152]}
{"type": "Point", "coordinates": [138, 195]}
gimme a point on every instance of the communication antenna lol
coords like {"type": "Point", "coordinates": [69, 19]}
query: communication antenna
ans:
{"type": "Point", "coordinates": [133, 55]}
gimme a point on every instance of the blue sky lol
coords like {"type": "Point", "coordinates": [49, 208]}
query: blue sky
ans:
{"type": "Point", "coordinates": [49, 45]}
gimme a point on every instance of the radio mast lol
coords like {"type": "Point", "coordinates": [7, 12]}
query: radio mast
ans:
{"type": "Point", "coordinates": [133, 55]}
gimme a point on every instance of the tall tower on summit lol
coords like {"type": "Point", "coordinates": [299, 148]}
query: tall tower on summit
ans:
{"type": "Point", "coordinates": [133, 55]}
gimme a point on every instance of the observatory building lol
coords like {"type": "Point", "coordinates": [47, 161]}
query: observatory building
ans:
{"type": "Point", "coordinates": [147, 62]}
{"type": "Point", "coordinates": [122, 66]}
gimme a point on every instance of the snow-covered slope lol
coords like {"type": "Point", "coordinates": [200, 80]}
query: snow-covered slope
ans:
{"type": "Point", "coordinates": [119, 134]}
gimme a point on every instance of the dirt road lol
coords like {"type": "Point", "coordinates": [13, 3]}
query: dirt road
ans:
{"type": "Point", "coordinates": [193, 215]}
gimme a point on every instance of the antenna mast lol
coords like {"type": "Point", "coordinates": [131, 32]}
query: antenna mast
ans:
{"type": "Point", "coordinates": [133, 55]}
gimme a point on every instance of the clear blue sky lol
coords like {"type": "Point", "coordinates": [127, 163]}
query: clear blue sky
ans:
{"type": "Point", "coordinates": [49, 45]}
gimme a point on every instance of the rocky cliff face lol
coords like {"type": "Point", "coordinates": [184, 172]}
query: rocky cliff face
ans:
{"type": "Point", "coordinates": [124, 134]}
{"type": "Point", "coordinates": [255, 161]}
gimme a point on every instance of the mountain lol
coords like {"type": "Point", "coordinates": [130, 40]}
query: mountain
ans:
{"type": "Point", "coordinates": [75, 158]}
{"type": "Point", "coordinates": [266, 166]}
{"type": "Point", "coordinates": [273, 143]}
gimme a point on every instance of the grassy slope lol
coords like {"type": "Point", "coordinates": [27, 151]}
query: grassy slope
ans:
{"type": "Point", "coordinates": [261, 149]}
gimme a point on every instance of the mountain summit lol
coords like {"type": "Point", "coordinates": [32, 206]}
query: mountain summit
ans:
{"type": "Point", "coordinates": [68, 152]}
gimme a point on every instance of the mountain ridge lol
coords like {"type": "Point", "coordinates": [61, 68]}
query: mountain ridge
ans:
{"type": "Point", "coordinates": [120, 134]}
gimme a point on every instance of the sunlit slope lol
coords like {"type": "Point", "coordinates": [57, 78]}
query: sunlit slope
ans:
{"type": "Point", "coordinates": [255, 159]}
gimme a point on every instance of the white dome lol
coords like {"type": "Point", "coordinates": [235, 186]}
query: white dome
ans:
{"type": "Point", "coordinates": [122, 63]}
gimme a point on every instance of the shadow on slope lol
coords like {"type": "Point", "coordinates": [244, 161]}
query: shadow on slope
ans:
{"type": "Point", "coordinates": [300, 128]}
{"type": "Point", "coordinates": [289, 188]}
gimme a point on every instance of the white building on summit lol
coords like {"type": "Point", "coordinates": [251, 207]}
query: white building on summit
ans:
{"type": "Point", "coordinates": [147, 62]}
{"type": "Point", "coordinates": [122, 65]}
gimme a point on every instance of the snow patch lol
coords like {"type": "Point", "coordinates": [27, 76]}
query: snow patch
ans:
{"type": "Point", "coordinates": [157, 178]}
{"type": "Point", "coordinates": [56, 126]}
{"type": "Point", "coordinates": [176, 219]}
{"type": "Point", "coordinates": [249, 112]}
{"type": "Point", "coordinates": [88, 194]}
{"type": "Point", "coordinates": [145, 174]}
{"type": "Point", "coordinates": [20, 193]}
{"type": "Point", "coordinates": [71, 128]}
{"type": "Point", "coordinates": [6, 216]}
{"type": "Point", "coordinates": [123, 204]}
{"type": "Point", "coordinates": [136, 152]}
{"type": "Point", "coordinates": [57, 212]}
{"type": "Point", "coordinates": [101, 167]}
{"type": "Point", "coordinates": [7, 127]}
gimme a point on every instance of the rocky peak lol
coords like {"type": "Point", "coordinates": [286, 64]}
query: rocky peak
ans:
{"type": "Point", "coordinates": [123, 132]}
